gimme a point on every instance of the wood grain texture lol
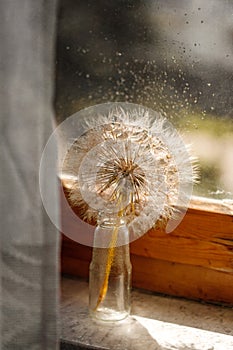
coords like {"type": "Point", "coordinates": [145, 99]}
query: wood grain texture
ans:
{"type": "Point", "coordinates": [202, 239]}
{"type": "Point", "coordinates": [194, 261]}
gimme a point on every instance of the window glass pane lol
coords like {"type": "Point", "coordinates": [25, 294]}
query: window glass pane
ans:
{"type": "Point", "coordinates": [175, 56]}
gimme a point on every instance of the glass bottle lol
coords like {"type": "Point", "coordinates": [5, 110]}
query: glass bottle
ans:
{"type": "Point", "coordinates": [110, 271]}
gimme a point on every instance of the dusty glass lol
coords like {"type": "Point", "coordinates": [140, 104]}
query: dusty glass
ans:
{"type": "Point", "coordinates": [174, 56]}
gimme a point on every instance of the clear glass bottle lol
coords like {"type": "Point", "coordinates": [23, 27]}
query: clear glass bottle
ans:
{"type": "Point", "coordinates": [110, 271]}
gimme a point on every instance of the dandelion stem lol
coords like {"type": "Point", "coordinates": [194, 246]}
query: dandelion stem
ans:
{"type": "Point", "coordinates": [110, 257]}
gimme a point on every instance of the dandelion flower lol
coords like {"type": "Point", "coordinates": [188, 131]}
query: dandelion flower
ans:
{"type": "Point", "coordinates": [131, 155]}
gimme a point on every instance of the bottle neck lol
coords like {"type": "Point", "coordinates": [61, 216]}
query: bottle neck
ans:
{"type": "Point", "coordinates": [111, 231]}
{"type": "Point", "coordinates": [110, 220]}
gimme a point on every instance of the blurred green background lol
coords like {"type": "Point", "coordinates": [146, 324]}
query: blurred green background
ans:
{"type": "Point", "coordinates": [172, 56]}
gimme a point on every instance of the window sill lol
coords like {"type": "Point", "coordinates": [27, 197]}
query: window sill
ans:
{"type": "Point", "coordinates": [156, 323]}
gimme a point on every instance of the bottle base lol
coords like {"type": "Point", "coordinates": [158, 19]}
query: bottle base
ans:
{"type": "Point", "coordinates": [108, 315]}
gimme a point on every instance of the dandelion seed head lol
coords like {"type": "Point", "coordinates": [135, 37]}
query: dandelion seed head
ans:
{"type": "Point", "coordinates": [129, 158]}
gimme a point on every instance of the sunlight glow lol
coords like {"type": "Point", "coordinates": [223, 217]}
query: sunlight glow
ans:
{"type": "Point", "coordinates": [173, 336]}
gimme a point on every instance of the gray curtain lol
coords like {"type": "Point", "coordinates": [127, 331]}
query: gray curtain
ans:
{"type": "Point", "coordinates": [29, 243]}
